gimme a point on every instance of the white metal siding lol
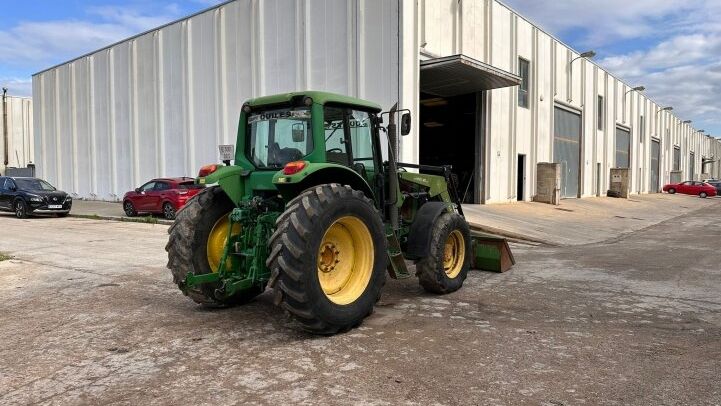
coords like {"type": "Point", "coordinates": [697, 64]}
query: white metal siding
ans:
{"type": "Point", "coordinates": [495, 34]}
{"type": "Point", "coordinates": [160, 103]}
{"type": "Point", "coordinates": [20, 133]}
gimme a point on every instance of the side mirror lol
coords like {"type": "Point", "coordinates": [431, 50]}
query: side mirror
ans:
{"type": "Point", "coordinates": [298, 132]}
{"type": "Point", "coordinates": [406, 124]}
{"type": "Point", "coordinates": [137, 190]}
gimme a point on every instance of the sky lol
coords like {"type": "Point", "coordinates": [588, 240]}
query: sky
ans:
{"type": "Point", "coordinates": [672, 47]}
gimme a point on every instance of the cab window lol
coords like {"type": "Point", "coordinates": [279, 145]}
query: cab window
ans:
{"type": "Point", "coordinates": [147, 187]}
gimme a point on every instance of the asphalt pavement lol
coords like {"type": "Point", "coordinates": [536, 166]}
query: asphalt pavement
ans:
{"type": "Point", "coordinates": [90, 316]}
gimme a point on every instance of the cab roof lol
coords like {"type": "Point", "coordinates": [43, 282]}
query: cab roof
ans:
{"type": "Point", "coordinates": [318, 97]}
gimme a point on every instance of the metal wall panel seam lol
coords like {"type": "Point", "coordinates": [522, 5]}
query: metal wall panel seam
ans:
{"type": "Point", "coordinates": [219, 81]}
{"type": "Point", "coordinates": [594, 169]}
{"type": "Point", "coordinates": [307, 45]}
{"type": "Point", "coordinates": [160, 103]}
{"type": "Point", "coordinates": [300, 40]}
{"type": "Point", "coordinates": [185, 91]}
{"type": "Point", "coordinates": [533, 95]}
{"type": "Point", "coordinates": [361, 62]}
{"type": "Point", "coordinates": [190, 100]}
{"type": "Point", "coordinates": [260, 49]}
{"type": "Point", "coordinates": [134, 147]}
{"type": "Point", "coordinates": [113, 121]}
{"type": "Point", "coordinates": [58, 155]}
{"type": "Point", "coordinates": [92, 132]}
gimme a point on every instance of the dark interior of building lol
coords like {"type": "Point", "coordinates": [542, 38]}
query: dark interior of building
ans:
{"type": "Point", "coordinates": [447, 130]}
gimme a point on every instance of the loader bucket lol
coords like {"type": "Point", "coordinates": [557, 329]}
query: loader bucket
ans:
{"type": "Point", "coordinates": [490, 253]}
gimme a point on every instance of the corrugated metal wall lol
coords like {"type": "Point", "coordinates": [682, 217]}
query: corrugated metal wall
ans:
{"type": "Point", "coordinates": [493, 33]}
{"type": "Point", "coordinates": [20, 133]}
{"type": "Point", "coordinates": [160, 103]}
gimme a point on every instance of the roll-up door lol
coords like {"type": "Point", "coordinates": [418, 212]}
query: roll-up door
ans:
{"type": "Point", "coordinates": [567, 149]}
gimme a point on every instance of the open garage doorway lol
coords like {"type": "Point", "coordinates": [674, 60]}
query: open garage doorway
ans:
{"type": "Point", "coordinates": [447, 132]}
{"type": "Point", "coordinates": [452, 119]}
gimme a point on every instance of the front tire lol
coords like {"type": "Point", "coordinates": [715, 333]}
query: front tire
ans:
{"type": "Point", "coordinates": [446, 266]}
{"type": "Point", "coordinates": [703, 195]}
{"type": "Point", "coordinates": [129, 209]}
{"type": "Point", "coordinates": [671, 191]}
{"type": "Point", "coordinates": [197, 238]}
{"type": "Point", "coordinates": [168, 211]}
{"type": "Point", "coordinates": [21, 209]}
{"type": "Point", "coordinates": [328, 258]}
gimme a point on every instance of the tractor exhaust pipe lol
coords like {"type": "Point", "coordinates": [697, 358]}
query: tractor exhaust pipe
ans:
{"type": "Point", "coordinates": [392, 167]}
{"type": "Point", "coordinates": [5, 126]}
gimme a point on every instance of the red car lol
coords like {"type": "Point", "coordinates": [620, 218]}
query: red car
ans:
{"type": "Point", "coordinates": [163, 196]}
{"type": "Point", "coordinates": [691, 187]}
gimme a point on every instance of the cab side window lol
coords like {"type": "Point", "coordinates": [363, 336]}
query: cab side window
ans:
{"type": "Point", "coordinates": [361, 135]}
{"type": "Point", "coordinates": [335, 136]}
{"type": "Point", "coordinates": [9, 184]}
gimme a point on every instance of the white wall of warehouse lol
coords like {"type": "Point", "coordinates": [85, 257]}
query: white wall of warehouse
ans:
{"type": "Point", "coordinates": [491, 32]}
{"type": "Point", "coordinates": [21, 150]}
{"type": "Point", "coordinates": [160, 103]}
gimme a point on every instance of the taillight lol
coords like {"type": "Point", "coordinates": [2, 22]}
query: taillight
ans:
{"type": "Point", "coordinates": [207, 170]}
{"type": "Point", "coordinates": [291, 168]}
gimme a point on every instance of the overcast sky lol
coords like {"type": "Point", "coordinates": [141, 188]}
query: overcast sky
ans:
{"type": "Point", "coordinates": [673, 47]}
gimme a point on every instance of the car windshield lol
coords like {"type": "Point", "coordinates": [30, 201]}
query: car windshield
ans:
{"type": "Point", "coordinates": [34, 184]}
{"type": "Point", "coordinates": [279, 136]}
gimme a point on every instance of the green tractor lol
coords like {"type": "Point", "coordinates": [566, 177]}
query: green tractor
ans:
{"type": "Point", "coordinates": [311, 210]}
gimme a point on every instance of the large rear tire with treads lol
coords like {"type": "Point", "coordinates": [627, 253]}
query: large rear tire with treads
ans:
{"type": "Point", "coordinates": [328, 258]}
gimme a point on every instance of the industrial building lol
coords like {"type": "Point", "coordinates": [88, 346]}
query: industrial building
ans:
{"type": "Point", "coordinates": [17, 148]}
{"type": "Point", "coordinates": [491, 93]}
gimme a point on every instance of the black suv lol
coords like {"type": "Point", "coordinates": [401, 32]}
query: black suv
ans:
{"type": "Point", "coordinates": [25, 196]}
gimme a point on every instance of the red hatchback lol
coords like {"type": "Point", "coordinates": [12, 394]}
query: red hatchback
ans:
{"type": "Point", "coordinates": [164, 196]}
{"type": "Point", "coordinates": [691, 187]}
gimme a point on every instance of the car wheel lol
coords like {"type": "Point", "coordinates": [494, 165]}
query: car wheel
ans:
{"type": "Point", "coordinates": [129, 209]}
{"type": "Point", "coordinates": [672, 191]}
{"type": "Point", "coordinates": [21, 210]}
{"type": "Point", "coordinates": [702, 195]}
{"type": "Point", "coordinates": [169, 211]}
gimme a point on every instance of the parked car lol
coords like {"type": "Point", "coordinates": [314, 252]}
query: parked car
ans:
{"type": "Point", "coordinates": [691, 187]}
{"type": "Point", "coordinates": [717, 184]}
{"type": "Point", "coordinates": [162, 196]}
{"type": "Point", "coordinates": [27, 196]}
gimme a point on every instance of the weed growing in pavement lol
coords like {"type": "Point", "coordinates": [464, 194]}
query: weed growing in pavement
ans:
{"type": "Point", "coordinates": [4, 257]}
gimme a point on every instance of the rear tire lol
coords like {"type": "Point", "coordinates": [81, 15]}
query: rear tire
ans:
{"type": "Point", "coordinates": [672, 191]}
{"type": "Point", "coordinates": [188, 242]}
{"type": "Point", "coordinates": [328, 258]}
{"type": "Point", "coordinates": [703, 195]}
{"type": "Point", "coordinates": [129, 209]}
{"type": "Point", "coordinates": [446, 266]}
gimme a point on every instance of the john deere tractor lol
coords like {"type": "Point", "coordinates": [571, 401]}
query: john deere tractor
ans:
{"type": "Point", "coordinates": [310, 209]}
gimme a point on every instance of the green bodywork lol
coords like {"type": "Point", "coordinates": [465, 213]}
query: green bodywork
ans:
{"type": "Point", "coordinates": [243, 262]}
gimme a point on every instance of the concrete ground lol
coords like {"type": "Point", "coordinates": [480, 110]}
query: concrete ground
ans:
{"type": "Point", "coordinates": [90, 316]}
{"type": "Point", "coordinates": [582, 221]}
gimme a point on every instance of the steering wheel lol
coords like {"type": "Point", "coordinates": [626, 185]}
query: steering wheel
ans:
{"type": "Point", "coordinates": [336, 150]}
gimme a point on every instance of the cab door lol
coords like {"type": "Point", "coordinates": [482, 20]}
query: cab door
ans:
{"type": "Point", "coordinates": [143, 199]}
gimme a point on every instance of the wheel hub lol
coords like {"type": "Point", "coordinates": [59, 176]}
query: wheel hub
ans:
{"type": "Point", "coordinates": [328, 257]}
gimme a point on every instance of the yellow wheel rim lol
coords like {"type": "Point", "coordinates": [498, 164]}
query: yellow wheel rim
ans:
{"type": "Point", "coordinates": [454, 254]}
{"type": "Point", "coordinates": [216, 242]}
{"type": "Point", "coordinates": [345, 260]}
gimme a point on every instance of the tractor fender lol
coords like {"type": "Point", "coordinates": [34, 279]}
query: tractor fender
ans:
{"type": "Point", "coordinates": [229, 180]}
{"type": "Point", "coordinates": [312, 175]}
{"type": "Point", "coordinates": [419, 236]}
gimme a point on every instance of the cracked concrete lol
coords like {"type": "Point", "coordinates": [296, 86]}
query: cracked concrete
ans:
{"type": "Point", "coordinates": [90, 316]}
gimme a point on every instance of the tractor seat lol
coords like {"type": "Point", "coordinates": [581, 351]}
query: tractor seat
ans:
{"type": "Point", "coordinates": [360, 169]}
{"type": "Point", "coordinates": [289, 155]}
